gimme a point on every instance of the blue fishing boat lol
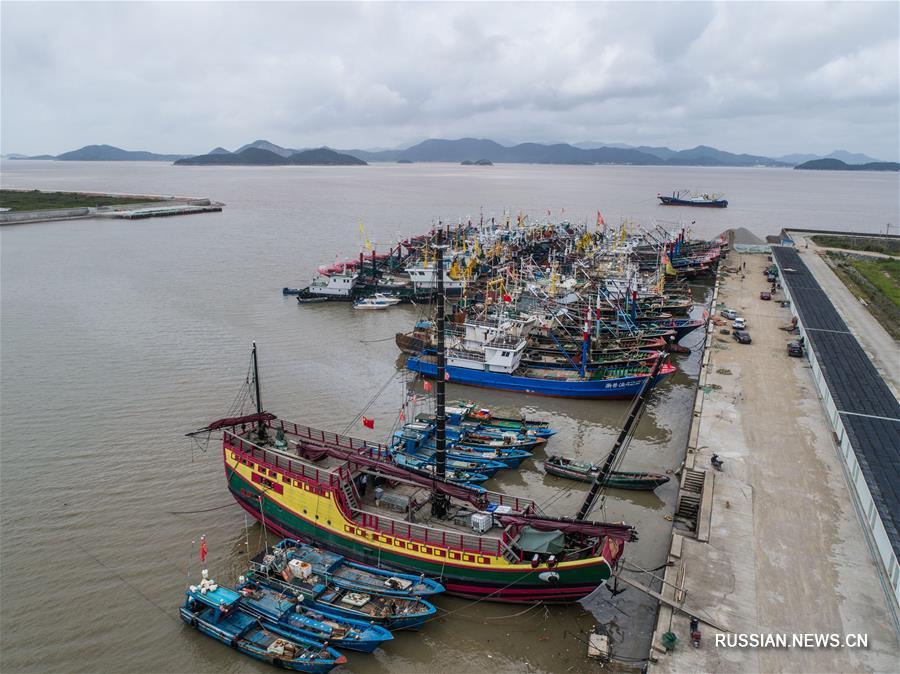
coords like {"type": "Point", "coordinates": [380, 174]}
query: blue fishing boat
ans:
{"type": "Point", "coordinates": [362, 577]}
{"type": "Point", "coordinates": [491, 439]}
{"type": "Point", "coordinates": [510, 457]}
{"type": "Point", "coordinates": [321, 594]}
{"type": "Point", "coordinates": [411, 441]}
{"type": "Point", "coordinates": [216, 612]}
{"type": "Point", "coordinates": [423, 465]}
{"type": "Point", "coordinates": [466, 411]}
{"type": "Point", "coordinates": [289, 614]}
{"type": "Point", "coordinates": [418, 437]}
{"type": "Point", "coordinates": [603, 383]}
{"type": "Point", "coordinates": [681, 326]}
{"type": "Point", "coordinates": [460, 425]}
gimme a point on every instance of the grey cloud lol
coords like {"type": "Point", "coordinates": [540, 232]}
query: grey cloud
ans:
{"type": "Point", "coordinates": [766, 78]}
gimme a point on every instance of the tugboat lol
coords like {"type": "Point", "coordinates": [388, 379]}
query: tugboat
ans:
{"type": "Point", "coordinates": [686, 198]}
{"type": "Point", "coordinates": [332, 284]}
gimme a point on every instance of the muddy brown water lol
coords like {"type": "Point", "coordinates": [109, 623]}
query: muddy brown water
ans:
{"type": "Point", "coordinates": [120, 336]}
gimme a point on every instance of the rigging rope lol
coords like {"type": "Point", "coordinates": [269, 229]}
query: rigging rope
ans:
{"type": "Point", "coordinates": [370, 403]}
{"type": "Point", "coordinates": [120, 577]}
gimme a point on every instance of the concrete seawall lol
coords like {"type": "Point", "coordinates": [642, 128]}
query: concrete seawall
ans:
{"type": "Point", "coordinates": [14, 217]}
{"type": "Point", "coordinates": [772, 544]}
{"type": "Point", "coordinates": [165, 206]}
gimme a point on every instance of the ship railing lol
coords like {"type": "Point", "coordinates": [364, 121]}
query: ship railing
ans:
{"type": "Point", "coordinates": [422, 535]}
{"type": "Point", "coordinates": [273, 459]}
{"type": "Point", "coordinates": [327, 438]}
{"type": "Point", "coordinates": [376, 450]}
{"type": "Point", "coordinates": [465, 354]}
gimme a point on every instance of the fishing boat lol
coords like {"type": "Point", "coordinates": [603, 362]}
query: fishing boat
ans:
{"type": "Point", "coordinates": [333, 283]}
{"type": "Point", "coordinates": [484, 415]}
{"type": "Point", "coordinates": [376, 301]}
{"type": "Point", "coordinates": [587, 472]}
{"type": "Point", "coordinates": [215, 611]}
{"type": "Point", "coordinates": [480, 544]}
{"type": "Point", "coordinates": [485, 438]}
{"type": "Point", "coordinates": [425, 465]}
{"type": "Point", "coordinates": [457, 420]}
{"type": "Point", "coordinates": [290, 615]}
{"type": "Point", "coordinates": [362, 577]}
{"type": "Point", "coordinates": [321, 593]}
{"type": "Point", "coordinates": [609, 383]}
{"type": "Point", "coordinates": [419, 439]}
{"type": "Point", "coordinates": [686, 198]}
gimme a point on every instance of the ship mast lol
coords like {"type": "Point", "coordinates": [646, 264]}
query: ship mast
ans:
{"type": "Point", "coordinates": [261, 428]}
{"type": "Point", "coordinates": [439, 500]}
{"type": "Point", "coordinates": [634, 414]}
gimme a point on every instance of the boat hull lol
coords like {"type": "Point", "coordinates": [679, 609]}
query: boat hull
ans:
{"type": "Point", "coordinates": [618, 480]}
{"type": "Point", "coordinates": [516, 583]}
{"type": "Point", "coordinates": [624, 387]}
{"type": "Point", "coordinates": [712, 203]}
{"type": "Point", "coordinates": [233, 639]}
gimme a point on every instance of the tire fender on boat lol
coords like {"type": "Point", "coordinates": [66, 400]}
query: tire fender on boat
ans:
{"type": "Point", "coordinates": [549, 576]}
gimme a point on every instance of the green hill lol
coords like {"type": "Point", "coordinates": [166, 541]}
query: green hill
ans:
{"type": "Point", "coordinates": [838, 165]}
{"type": "Point", "coordinates": [111, 153]}
{"type": "Point", "coordinates": [254, 156]}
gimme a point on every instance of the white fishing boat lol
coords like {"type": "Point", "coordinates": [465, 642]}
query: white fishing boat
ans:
{"type": "Point", "coordinates": [377, 301]}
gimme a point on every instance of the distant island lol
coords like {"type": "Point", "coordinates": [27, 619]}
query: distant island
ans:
{"type": "Point", "coordinates": [267, 153]}
{"type": "Point", "coordinates": [111, 153]}
{"type": "Point", "coordinates": [479, 162]}
{"type": "Point", "coordinates": [838, 165]}
{"type": "Point", "coordinates": [254, 156]}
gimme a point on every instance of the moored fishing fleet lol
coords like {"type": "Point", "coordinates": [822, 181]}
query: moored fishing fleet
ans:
{"type": "Point", "coordinates": [557, 309]}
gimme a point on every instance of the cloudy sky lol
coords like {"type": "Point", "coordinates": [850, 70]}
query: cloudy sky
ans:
{"type": "Point", "coordinates": [184, 77]}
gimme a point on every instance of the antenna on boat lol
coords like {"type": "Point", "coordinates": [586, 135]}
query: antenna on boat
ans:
{"type": "Point", "coordinates": [261, 428]}
{"type": "Point", "coordinates": [438, 499]}
{"type": "Point", "coordinates": [634, 414]}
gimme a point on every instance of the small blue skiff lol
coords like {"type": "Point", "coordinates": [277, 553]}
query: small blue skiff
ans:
{"type": "Point", "coordinates": [216, 612]}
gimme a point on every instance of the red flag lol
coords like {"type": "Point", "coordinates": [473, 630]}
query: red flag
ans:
{"type": "Point", "coordinates": [368, 423]}
{"type": "Point", "coordinates": [600, 220]}
{"type": "Point", "coordinates": [507, 298]}
{"type": "Point", "coordinates": [203, 548]}
{"type": "Point", "coordinates": [446, 376]}
{"type": "Point", "coordinates": [427, 387]}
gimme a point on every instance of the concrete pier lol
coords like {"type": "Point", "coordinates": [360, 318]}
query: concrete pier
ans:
{"type": "Point", "coordinates": [785, 551]}
{"type": "Point", "coordinates": [141, 208]}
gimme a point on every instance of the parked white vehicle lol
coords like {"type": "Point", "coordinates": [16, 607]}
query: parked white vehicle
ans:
{"type": "Point", "coordinates": [739, 324]}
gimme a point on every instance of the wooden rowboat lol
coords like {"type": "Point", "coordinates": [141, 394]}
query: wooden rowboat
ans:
{"type": "Point", "coordinates": [586, 472]}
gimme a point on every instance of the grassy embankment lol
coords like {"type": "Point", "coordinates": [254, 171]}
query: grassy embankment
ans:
{"type": "Point", "coordinates": [35, 200]}
{"type": "Point", "coordinates": [875, 280]}
{"type": "Point", "coordinates": [872, 244]}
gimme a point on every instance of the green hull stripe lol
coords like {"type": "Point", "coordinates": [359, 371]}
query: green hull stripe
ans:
{"type": "Point", "coordinates": [585, 575]}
